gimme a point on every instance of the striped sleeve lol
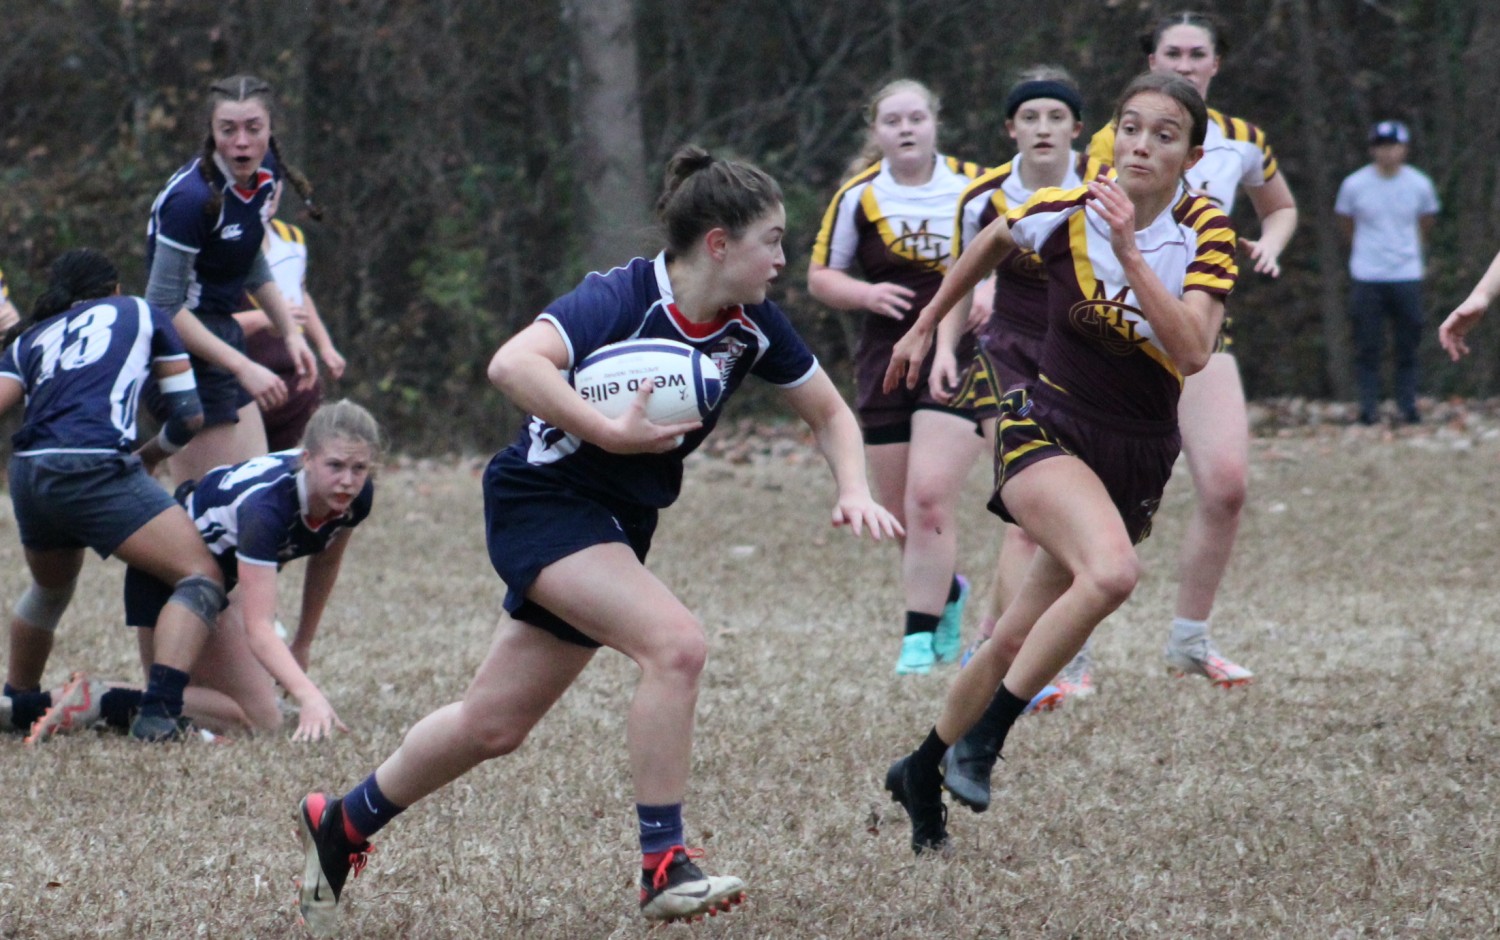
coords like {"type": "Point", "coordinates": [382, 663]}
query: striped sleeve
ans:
{"type": "Point", "coordinates": [834, 247]}
{"type": "Point", "coordinates": [288, 233]}
{"type": "Point", "coordinates": [1035, 220]}
{"type": "Point", "coordinates": [1213, 268]}
{"type": "Point", "coordinates": [4, 288]}
{"type": "Point", "coordinates": [1102, 145]}
{"type": "Point", "coordinates": [1091, 168]}
{"type": "Point", "coordinates": [1265, 165]}
{"type": "Point", "coordinates": [976, 198]}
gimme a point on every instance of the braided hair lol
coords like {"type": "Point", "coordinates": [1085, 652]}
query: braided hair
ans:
{"type": "Point", "coordinates": [76, 275]}
{"type": "Point", "coordinates": [245, 88]}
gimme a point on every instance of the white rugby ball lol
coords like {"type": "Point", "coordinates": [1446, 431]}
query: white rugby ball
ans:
{"type": "Point", "coordinates": [688, 384]}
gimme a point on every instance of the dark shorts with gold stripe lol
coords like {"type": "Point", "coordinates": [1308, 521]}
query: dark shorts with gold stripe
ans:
{"type": "Point", "coordinates": [1006, 360]}
{"type": "Point", "coordinates": [885, 417]}
{"type": "Point", "coordinates": [1226, 339]}
{"type": "Point", "coordinates": [1132, 458]}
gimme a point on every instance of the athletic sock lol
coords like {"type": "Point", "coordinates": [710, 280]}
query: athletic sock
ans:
{"type": "Point", "coordinates": [26, 707]}
{"type": "Point", "coordinates": [118, 707]}
{"type": "Point", "coordinates": [1186, 632]}
{"type": "Point", "coordinates": [661, 830]}
{"type": "Point", "coordinates": [163, 695]}
{"type": "Point", "coordinates": [921, 623]}
{"type": "Point", "coordinates": [366, 811]}
{"type": "Point", "coordinates": [926, 760]}
{"type": "Point", "coordinates": [998, 717]}
{"type": "Point", "coordinates": [955, 590]}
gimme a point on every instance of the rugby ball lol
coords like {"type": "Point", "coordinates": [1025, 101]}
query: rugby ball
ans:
{"type": "Point", "coordinates": [688, 384]}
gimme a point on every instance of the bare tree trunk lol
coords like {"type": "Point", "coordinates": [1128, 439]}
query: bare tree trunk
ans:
{"type": "Point", "coordinates": [611, 155]}
{"type": "Point", "coordinates": [1315, 131]}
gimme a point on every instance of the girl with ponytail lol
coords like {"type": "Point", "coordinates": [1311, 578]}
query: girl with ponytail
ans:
{"type": "Point", "coordinates": [203, 250]}
{"type": "Point", "coordinates": [570, 509]}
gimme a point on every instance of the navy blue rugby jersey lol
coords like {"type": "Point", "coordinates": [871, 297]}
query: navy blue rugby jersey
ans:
{"type": "Point", "coordinates": [256, 512]}
{"type": "Point", "coordinates": [635, 302]}
{"type": "Point", "coordinates": [83, 369]}
{"type": "Point", "coordinates": [224, 247]}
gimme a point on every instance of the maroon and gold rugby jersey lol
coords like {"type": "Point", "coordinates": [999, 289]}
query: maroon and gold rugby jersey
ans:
{"type": "Point", "coordinates": [1100, 349]}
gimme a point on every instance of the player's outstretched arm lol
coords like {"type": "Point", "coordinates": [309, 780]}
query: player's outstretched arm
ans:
{"type": "Point", "coordinates": [256, 597]}
{"type": "Point", "coordinates": [317, 586]}
{"type": "Point", "coordinates": [1453, 334]}
{"type": "Point", "coordinates": [818, 403]}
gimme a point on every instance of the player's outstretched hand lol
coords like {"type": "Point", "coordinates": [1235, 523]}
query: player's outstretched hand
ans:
{"type": "Point", "coordinates": [317, 720]}
{"type": "Point", "coordinates": [1455, 330]}
{"type": "Point", "coordinates": [857, 512]}
{"type": "Point", "coordinates": [906, 358]}
{"type": "Point", "coordinates": [1265, 262]}
{"type": "Point", "coordinates": [634, 433]}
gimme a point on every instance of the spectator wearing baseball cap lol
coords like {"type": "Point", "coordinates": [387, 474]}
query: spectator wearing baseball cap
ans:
{"type": "Point", "coordinates": [1386, 210]}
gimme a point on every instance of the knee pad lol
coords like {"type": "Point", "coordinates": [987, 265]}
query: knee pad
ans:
{"type": "Point", "coordinates": [43, 607]}
{"type": "Point", "coordinates": [202, 596]}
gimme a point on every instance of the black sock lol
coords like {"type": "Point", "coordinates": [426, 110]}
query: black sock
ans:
{"type": "Point", "coordinates": [997, 719]}
{"type": "Point", "coordinates": [27, 707]}
{"type": "Point", "coordinates": [163, 695]}
{"type": "Point", "coordinates": [955, 590]}
{"type": "Point", "coordinates": [920, 623]}
{"type": "Point", "coordinates": [926, 759]}
{"type": "Point", "coordinates": [118, 706]}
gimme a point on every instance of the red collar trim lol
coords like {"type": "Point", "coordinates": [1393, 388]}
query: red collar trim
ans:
{"type": "Point", "coordinates": [706, 329]}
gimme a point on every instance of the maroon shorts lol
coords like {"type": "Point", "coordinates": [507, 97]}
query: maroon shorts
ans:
{"type": "Point", "coordinates": [885, 418]}
{"type": "Point", "coordinates": [1131, 457]}
{"type": "Point", "coordinates": [1006, 360]}
{"type": "Point", "coordinates": [284, 424]}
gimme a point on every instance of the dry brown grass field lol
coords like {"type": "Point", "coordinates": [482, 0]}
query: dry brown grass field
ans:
{"type": "Point", "coordinates": [1349, 793]}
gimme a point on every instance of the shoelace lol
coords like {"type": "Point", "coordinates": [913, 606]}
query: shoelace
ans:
{"type": "Point", "coordinates": [659, 877]}
{"type": "Point", "coordinates": [358, 860]}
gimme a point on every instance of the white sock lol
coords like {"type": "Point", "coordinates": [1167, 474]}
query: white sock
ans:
{"type": "Point", "coordinates": [1186, 632]}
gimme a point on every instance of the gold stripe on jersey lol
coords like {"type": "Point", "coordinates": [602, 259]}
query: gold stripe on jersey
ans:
{"type": "Point", "coordinates": [986, 184]}
{"type": "Point", "coordinates": [288, 233]}
{"type": "Point", "coordinates": [903, 244]}
{"type": "Point", "coordinates": [823, 245]}
{"type": "Point", "coordinates": [1108, 311]}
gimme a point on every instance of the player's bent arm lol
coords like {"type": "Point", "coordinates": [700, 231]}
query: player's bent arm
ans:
{"type": "Point", "coordinates": [273, 302]}
{"type": "Point", "coordinates": [11, 393]}
{"type": "Point", "coordinates": [9, 315]}
{"type": "Point", "coordinates": [977, 262]}
{"type": "Point", "coordinates": [528, 369]}
{"type": "Point", "coordinates": [819, 404]}
{"type": "Point", "coordinates": [844, 291]}
{"type": "Point", "coordinates": [1187, 327]}
{"type": "Point", "coordinates": [253, 321]}
{"type": "Point", "coordinates": [1276, 208]}
{"type": "Point", "coordinates": [317, 586]}
{"type": "Point", "coordinates": [179, 392]}
{"type": "Point", "coordinates": [256, 595]}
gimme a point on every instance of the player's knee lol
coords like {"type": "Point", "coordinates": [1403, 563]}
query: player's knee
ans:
{"type": "Point", "coordinates": [204, 597]}
{"type": "Point", "coordinates": [683, 650]}
{"type": "Point", "coordinates": [1223, 486]}
{"type": "Point", "coordinates": [263, 714]}
{"type": "Point", "coordinates": [928, 509]}
{"type": "Point", "coordinates": [1111, 577]}
{"type": "Point", "coordinates": [42, 607]}
{"type": "Point", "coordinates": [491, 738]}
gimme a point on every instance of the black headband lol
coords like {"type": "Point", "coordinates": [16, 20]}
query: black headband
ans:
{"type": "Point", "coordinates": [1026, 91]}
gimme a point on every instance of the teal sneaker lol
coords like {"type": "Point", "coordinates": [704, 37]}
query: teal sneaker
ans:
{"type": "Point", "coordinates": [948, 640]}
{"type": "Point", "coordinates": [916, 655]}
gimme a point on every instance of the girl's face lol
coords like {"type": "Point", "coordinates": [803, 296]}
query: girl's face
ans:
{"type": "Point", "coordinates": [336, 475]}
{"type": "Point", "coordinates": [1187, 51]}
{"type": "Point", "coordinates": [751, 262]}
{"type": "Point", "coordinates": [242, 134]}
{"type": "Point", "coordinates": [1152, 148]}
{"type": "Point", "coordinates": [905, 128]}
{"type": "Point", "coordinates": [1043, 128]}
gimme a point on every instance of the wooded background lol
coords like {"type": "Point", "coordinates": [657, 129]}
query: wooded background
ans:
{"type": "Point", "coordinates": [476, 157]}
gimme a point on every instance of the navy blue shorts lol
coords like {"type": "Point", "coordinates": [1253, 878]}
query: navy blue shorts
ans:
{"type": "Point", "coordinates": [531, 523]}
{"type": "Point", "coordinates": [97, 501]}
{"type": "Point", "coordinates": [1133, 459]}
{"type": "Point", "coordinates": [145, 596]}
{"type": "Point", "coordinates": [220, 392]}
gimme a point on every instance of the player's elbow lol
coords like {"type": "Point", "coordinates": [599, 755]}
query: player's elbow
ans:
{"type": "Point", "coordinates": [502, 368]}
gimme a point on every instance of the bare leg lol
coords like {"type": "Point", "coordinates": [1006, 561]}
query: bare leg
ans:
{"type": "Point", "coordinates": [525, 672]}
{"type": "Point", "coordinates": [1215, 439]}
{"type": "Point", "coordinates": [230, 685]}
{"type": "Point", "coordinates": [219, 445]}
{"type": "Point", "coordinates": [1086, 570]}
{"type": "Point", "coordinates": [941, 454]}
{"type": "Point", "coordinates": [169, 549]}
{"type": "Point", "coordinates": [30, 647]}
